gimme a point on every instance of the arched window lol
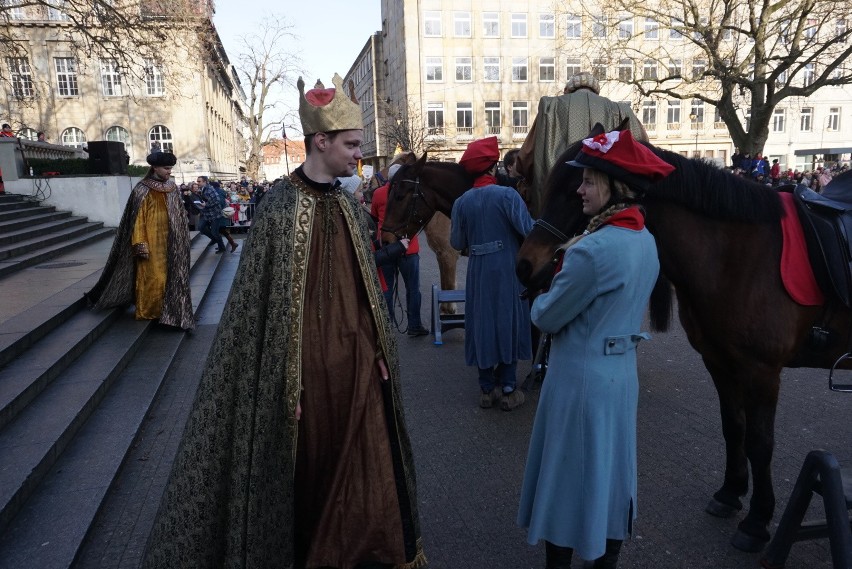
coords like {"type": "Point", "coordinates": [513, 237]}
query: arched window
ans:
{"type": "Point", "coordinates": [161, 139]}
{"type": "Point", "coordinates": [73, 137]}
{"type": "Point", "coordinates": [119, 134]}
{"type": "Point", "coordinates": [28, 134]}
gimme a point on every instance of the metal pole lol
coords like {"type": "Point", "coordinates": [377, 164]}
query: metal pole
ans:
{"type": "Point", "coordinates": [286, 159]}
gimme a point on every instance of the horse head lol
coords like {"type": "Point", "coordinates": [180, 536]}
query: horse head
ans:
{"type": "Point", "coordinates": [561, 218]}
{"type": "Point", "coordinates": [417, 191]}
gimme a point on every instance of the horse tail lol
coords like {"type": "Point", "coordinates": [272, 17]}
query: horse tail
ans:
{"type": "Point", "coordinates": [660, 305]}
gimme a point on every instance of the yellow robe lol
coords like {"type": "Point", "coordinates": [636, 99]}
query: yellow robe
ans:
{"type": "Point", "coordinates": [151, 227]}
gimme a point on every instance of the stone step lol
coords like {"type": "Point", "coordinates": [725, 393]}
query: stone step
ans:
{"type": "Point", "coordinates": [23, 209]}
{"type": "Point", "coordinates": [73, 493]}
{"type": "Point", "coordinates": [46, 229]}
{"type": "Point", "coordinates": [38, 250]}
{"type": "Point", "coordinates": [36, 434]}
{"type": "Point", "coordinates": [29, 217]}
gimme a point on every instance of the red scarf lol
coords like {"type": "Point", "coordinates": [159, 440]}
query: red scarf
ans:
{"type": "Point", "coordinates": [484, 180]}
{"type": "Point", "coordinates": [630, 218]}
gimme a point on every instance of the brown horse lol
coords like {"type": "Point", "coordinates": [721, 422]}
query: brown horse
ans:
{"type": "Point", "coordinates": [437, 231]}
{"type": "Point", "coordinates": [719, 243]}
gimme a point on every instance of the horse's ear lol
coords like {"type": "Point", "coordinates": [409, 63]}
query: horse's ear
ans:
{"type": "Point", "coordinates": [596, 130]}
{"type": "Point", "coordinates": [625, 124]}
{"type": "Point", "coordinates": [421, 162]}
{"type": "Point", "coordinates": [410, 158]}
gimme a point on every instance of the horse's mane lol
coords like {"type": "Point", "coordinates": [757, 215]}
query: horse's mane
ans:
{"type": "Point", "coordinates": [451, 167]}
{"type": "Point", "coordinates": [708, 189]}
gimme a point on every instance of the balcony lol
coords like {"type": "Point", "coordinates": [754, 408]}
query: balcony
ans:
{"type": "Point", "coordinates": [493, 130]}
{"type": "Point", "coordinates": [464, 133]}
{"type": "Point", "coordinates": [520, 131]}
{"type": "Point", "coordinates": [435, 132]}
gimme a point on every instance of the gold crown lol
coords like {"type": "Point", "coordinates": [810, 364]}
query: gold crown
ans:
{"type": "Point", "coordinates": [338, 113]}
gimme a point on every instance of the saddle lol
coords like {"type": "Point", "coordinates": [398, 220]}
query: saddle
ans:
{"type": "Point", "coordinates": [827, 224]}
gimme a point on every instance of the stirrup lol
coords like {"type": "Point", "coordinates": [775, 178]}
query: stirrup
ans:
{"type": "Point", "coordinates": [839, 387]}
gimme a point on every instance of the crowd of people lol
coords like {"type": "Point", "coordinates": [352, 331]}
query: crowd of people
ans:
{"type": "Point", "coordinates": [759, 169]}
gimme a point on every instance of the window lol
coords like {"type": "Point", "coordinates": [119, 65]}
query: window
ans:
{"type": "Point", "coordinates": [461, 24]}
{"type": "Point", "coordinates": [696, 113]}
{"type": "Point", "coordinates": [161, 137]}
{"type": "Point", "coordinates": [572, 67]}
{"type": "Point", "coordinates": [811, 29]}
{"type": "Point", "coordinates": [66, 76]}
{"type": "Point", "coordinates": [649, 70]}
{"type": "Point", "coordinates": [12, 10]}
{"type": "Point", "coordinates": [599, 69]}
{"type": "Point", "coordinates": [464, 69]}
{"type": "Point", "coordinates": [492, 117]}
{"type": "Point", "coordinates": [20, 76]}
{"type": "Point", "coordinates": [652, 29]}
{"type": "Point", "coordinates": [778, 117]}
{"type": "Point", "coordinates": [599, 24]}
{"type": "Point", "coordinates": [154, 83]}
{"type": "Point", "coordinates": [519, 69]}
{"type": "Point", "coordinates": [520, 118]}
{"type": "Point", "coordinates": [574, 26]}
{"type": "Point", "coordinates": [673, 112]}
{"type": "Point", "coordinates": [434, 69]}
{"type": "Point", "coordinates": [546, 26]}
{"type": "Point", "coordinates": [434, 119]}
{"type": "Point", "coordinates": [700, 28]}
{"type": "Point", "coordinates": [56, 11]}
{"type": "Point", "coordinates": [625, 70]}
{"type": "Point", "coordinates": [491, 24]}
{"type": "Point", "coordinates": [625, 26]}
{"type": "Point", "coordinates": [432, 24]}
{"type": "Point", "coordinates": [28, 134]}
{"type": "Point", "coordinates": [675, 68]}
{"type": "Point", "coordinates": [519, 25]}
{"type": "Point", "coordinates": [840, 30]}
{"type": "Point", "coordinates": [118, 134]}
{"type": "Point", "coordinates": [464, 119]}
{"type": "Point", "coordinates": [675, 29]}
{"type": "Point", "coordinates": [807, 120]}
{"type": "Point", "coordinates": [110, 78]}
{"type": "Point", "coordinates": [649, 114]}
{"type": "Point", "coordinates": [781, 80]}
{"type": "Point", "coordinates": [492, 69]}
{"type": "Point", "coordinates": [833, 118]}
{"type": "Point", "coordinates": [699, 66]}
{"type": "Point", "coordinates": [547, 69]}
{"type": "Point", "coordinates": [808, 74]}
{"type": "Point", "coordinates": [73, 137]}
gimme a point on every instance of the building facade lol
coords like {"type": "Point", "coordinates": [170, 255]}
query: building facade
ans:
{"type": "Point", "coordinates": [189, 101]}
{"type": "Point", "coordinates": [281, 157]}
{"type": "Point", "coordinates": [458, 70]}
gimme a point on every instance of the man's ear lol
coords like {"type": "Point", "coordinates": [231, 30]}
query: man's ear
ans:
{"type": "Point", "coordinates": [321, 141]}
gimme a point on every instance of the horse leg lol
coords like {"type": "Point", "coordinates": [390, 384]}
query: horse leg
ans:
{"type": "Point", "coordinates": [726, 501]}
{"type": "Point", "coordinates": [438, 237]}
{"type": "Point", "coordinates": [752, 534]}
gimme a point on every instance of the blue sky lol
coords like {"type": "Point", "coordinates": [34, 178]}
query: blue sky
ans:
{"type": "Point", "coordinates": [332, 32]}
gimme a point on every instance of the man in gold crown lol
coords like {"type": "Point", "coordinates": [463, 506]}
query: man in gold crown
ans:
{"type": "Point", "coordinates": [296, 453]}
{"type": "Point", "coordinates": [562, 121]}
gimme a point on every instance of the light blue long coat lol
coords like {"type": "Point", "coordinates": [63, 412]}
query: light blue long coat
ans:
{"type": "Point", "coordinates": [580, 481]}
{"type": "Point", "coordinates": [491, 221]}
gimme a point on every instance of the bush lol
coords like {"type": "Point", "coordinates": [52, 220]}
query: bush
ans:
{"type": "Point", "coordinates": [137, 170]}
{"type": "Point", "coordinates": [65, 166]}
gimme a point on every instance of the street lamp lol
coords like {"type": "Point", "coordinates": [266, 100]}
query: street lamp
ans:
{"type": "Point", "coordinates": [694, 118]}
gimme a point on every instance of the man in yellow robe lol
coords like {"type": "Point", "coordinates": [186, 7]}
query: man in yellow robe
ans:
{"type": "Point", "coordinates": [148, 264]}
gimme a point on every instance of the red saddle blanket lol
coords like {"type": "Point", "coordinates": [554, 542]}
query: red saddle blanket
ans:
{"type": "Point", "coordinates": [796, 271]}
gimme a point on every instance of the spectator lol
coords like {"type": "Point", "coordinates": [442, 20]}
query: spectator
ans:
{"type": "Point", "coordinates": [7, 131]}
{"type": "Point", "coordinates": [510, 177]}
{"type": "Point", "coordinates": [775, 172]}
{"type": "Point", "coordinates": [211, 215]}
{"type": "Point", "coordinates": [41, 137]}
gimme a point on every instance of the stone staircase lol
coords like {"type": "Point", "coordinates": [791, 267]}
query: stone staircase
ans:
{"type": "Point", "coordinates": [31, 233]}
{"type": "Point", "coordinates": [76, 387]}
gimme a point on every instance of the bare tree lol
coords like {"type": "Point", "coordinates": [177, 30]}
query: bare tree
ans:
{"type": "Point", "coordinates": [266, 64]}
{"type": "Point", "coordinates": [746, 55]}
{"type": "Point", "coordinates": [404, 128]}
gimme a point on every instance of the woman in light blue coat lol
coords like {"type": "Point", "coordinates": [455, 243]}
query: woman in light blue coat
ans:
{"type": "Point", "coordinates": [579, 490]}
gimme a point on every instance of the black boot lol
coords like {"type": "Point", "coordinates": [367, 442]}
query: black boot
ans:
{"type": "Point", "coordinates": [610, 556]}
{"type": "Point", "coordinates": [557, 557]}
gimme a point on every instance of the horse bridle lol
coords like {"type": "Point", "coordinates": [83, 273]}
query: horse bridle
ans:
{"type": "Point", "coordinates": [412, 210]}
{"type": "Point", "coordinates": [552, 230]}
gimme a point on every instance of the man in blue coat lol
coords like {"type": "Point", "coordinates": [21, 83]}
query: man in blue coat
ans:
{"type": "Point", "coordinates": [490, 222]}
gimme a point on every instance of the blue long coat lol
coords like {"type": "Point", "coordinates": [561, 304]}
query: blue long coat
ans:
{"type": "Point", "coordinates": [491, 221]}
{"type": "Point", "coordinates": [580, 481]}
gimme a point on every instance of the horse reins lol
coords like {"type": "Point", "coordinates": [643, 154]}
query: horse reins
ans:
{"type": "Point", "coordinates": [552, 230]}
{"type": "Point", "coordinates": [412, 210]}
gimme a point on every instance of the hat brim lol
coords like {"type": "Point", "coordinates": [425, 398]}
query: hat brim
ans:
{"type": "Point", "coordinates": [584, 160]}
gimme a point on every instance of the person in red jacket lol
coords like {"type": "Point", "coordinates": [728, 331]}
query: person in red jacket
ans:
{"type": "Point", "coordinates": [408, 265]}
{"type": "Point", "coordinates": [775, 172]}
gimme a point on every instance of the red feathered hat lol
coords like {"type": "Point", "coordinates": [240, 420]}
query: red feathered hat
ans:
{"type": "Point", "coordinates": [618, 154]}
{"type": "Point", "coordinates": [480, 155]}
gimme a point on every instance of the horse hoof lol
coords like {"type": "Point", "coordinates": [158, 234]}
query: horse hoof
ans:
{"type": "Point", "coordinates": [747, 543]}
{"type": "Point", "coordinates": [721, 510]}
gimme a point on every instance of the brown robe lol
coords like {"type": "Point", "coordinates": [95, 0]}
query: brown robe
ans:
{"type": "Point", "coordinates": [252, 487]}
